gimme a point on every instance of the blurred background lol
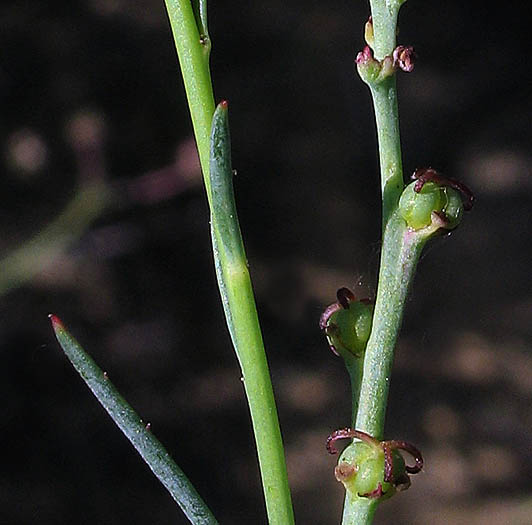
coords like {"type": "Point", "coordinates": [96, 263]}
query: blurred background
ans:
{"type": "Point", "coordinates": [97, 150]}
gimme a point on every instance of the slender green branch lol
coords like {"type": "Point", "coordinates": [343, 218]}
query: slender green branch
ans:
{"type": "Point", "coordinates": [138, 433]}
{"type": "Point", "coordinates": [384, 96]}
{"type": "Point", "coordinates": [355, 369]}
{"type": "Point", "coordinates": [358, 511]}
{"type": "Point", "coordinates": [400, 253]}
{"type": "Point", "coordinates": [384, 16]}
{"type": "Point", "coordinates": [189, 27]}
{"type": "Point", "coordinates": [384, 19]}
{"type": "Point", "coordinates": [241, 314]}
{"type": "Point", "coordinates": [399, 258]}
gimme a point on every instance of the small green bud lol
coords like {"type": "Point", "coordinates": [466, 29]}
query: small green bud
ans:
{"type": "Point", "coordinates": [347, 323]}
{"type": "Point", "coordinates": [366, 465]}
{"type": "Point", "coordinates": [373, 71]}
{"type": "Point", "coordinates": [417, 207]}
{"type": "Point", "coordinates": [353, 327]}
{"type": "Point", "coordinates": [368, 67]}
{"type": "Point", "coordinates": [434, 201]}
{"type": "Point", "coordinates": [453, 207]}
{"type": "Point", "coordinates": [370, 468]}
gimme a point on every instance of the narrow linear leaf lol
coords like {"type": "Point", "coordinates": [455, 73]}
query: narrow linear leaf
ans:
{"type": "Point", "coordinates": [224, 214]}
{"type": "Point", "coordinates": [242, 320]}
{"type": "Point", "coordinates": [129, 422]}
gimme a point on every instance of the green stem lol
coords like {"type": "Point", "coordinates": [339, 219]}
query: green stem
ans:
{"type": "Point", "coordinates": [384, 96]}
{"type": "Point", "coordinates": [188, 19]}
{"type": "Point", "coordinates": [355, 368]}
{"type": "Point", "coordinates": [193, 51]}
{"type": "Point", "coordinates": [358, 511]}
{"type": "Point", "coordinates": [395, 259]}
{"type": "Point", "coordinates": [401, 250]}
{"type": "Point", "coordinates": [243, 323]}
{"type": "Point", "coordinates": [384, 16]}
{"type": "Point", "coordinates": [138, 433]}
{"type": "Point", "coordinates": [400, 253]}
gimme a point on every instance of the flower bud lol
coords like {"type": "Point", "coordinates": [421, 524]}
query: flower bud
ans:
{"type": "Point", "coordinates": [368, 67]}
{"type": "Point", "coordinates": [404, 58]}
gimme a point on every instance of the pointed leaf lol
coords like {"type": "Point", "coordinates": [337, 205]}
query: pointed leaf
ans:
{"type": "Point", "coordinates": [146, 444]}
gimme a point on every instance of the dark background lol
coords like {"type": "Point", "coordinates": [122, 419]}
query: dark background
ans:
{"type": "Point", "coordinates": [92, 89]}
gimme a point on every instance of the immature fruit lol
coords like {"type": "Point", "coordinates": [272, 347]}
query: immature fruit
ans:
{"type": "Point", "coordinates": [370, 468]}
{"type": "Point", "coordinates": [417, 207]}
{"type": "Point", "coordinates": [453, 208]}
{"type": "Point", "coordinates": [349, 329]}
{"type": "Point", "coordinates": [361, 469]}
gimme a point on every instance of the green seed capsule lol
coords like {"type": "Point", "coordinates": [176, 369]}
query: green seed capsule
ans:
{"type": "Point", "coordinates": [417, 208]}
{"type": "Point", "coordinates": [361, 470]}
{"type": "Point", "coordinates": [349, 329]}
{"type": "Point", "coordinates": [453, 208]}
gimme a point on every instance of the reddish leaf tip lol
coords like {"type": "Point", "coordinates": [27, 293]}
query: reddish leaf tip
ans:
{"type": "Point", "coordinates": [224, 104]}
{"type": "Point", "coordinates": [57, 324]}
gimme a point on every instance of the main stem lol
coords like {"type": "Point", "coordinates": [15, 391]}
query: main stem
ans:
{"type": "Point", "coordinates": [393, 282]}
{"type": "Point", "coordinates": [400, 253]}
{"type": "Point", "coordinates": [239, 304]}
{"type": "Point", "coordinates": [398, 263]}
{"type": "Point", "coordinates": [193, 54]}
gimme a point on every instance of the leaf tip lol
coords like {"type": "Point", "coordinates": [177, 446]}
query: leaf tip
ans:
{"type": "Point", "coordinates": [224, 104]}
{"type": "Point", "coordinates": [57, 324]}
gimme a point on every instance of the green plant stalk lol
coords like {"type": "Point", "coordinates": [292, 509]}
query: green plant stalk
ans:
{"type": "Point", "coordinates": [398, 264]}
{"type": "Point", "coordinates": [129, 422]}
{"type": "Point", "coordinates": [189, 26]}
{"type": "Point", "coordinates": [384, 16]}
{"type": "Point", "coordinates": [400, 254]}
{"type": "Point", "coordinates": [193, 49]}
{"type": "Point", "coordinates": [384, 97]}
{"type": "Point", "coordinates": [242, 320]}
